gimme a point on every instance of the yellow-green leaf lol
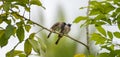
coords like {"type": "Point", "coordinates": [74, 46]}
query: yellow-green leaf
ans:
{"type": "Point", "coordinates": [43, 46]}
{"type": "Point", "coordinates": [9, 31]}
{"type": "Point", "coordinates": [80, 18]}
{"type": "Point", "coordinates": [20, 33]}
{"type": "Point", "coordinates": [117, 34]}
{"type": "Point", "coordinates": [35, 45]}
{"type": "Point", "coordinates": [1, 33]}
{"type": "Point", "coordinates": [13, 53]}
{"type": "Point", "coordinates": [6, 6]}
{"type": "Point", "coordinates": [101, 30]}
{"type": "Point", "coordinates": [98, 38]}
{"type": "Point", "coordinates": [36, 2]}
{"type": "Point", "coordinates": [22, 55]}
{"type": "Point", "coordinates": [110, 34]}
{"type": "Point", "coordinates": [6, 35]}
{"type": "Point", "coordinates": [32, 35]}
{"type": "Point", "coordinates": [27, 27]}
{"type": "Point", "coordinates": [27, 47]}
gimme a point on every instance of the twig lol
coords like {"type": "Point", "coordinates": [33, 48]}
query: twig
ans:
{"type": "Point", "coordinates": [12, 51]}
{"type": "Point", "coordinates": [24, 13]}
{"type": "Point", "coordinates": [39, 30]}
{"type": "Point", "coordinates": [87, 28]}
{"type": "Point", "coordinates": [30, 8]}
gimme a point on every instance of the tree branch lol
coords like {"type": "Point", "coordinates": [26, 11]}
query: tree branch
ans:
{"type": "Point", "coordinates": [52, 31]}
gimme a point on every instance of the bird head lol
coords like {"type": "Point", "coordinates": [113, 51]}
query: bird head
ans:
{"type": "Point", "coordinates": [69, 25]}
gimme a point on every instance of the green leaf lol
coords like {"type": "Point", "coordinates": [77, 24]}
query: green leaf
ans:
{"type": "Point", "coordinates": [94, 12]}
{"type": "Point", "coordinates": [13, 53]}
{"type": "Point", "coordinates": [19, 24]}
{"type": "Point", "coordinates": [23, 1]}
{"type": "Point", "coordinates": [3, 41]}
{"type": "Point", "coordinates": [114, 14]}
{"type": "Point", "coordinates": [100, 16]}
{"type": "Point", "coordinates": [9, 31]}
{"type": "Point", "coordinates": [20, 33]}
{"type": "Point", "coordinates": [15, 15]}
{"type": "Point", "coordinates": [6, 6]}
{"type": "Point", "coordinates": [116, 1]}
{"type": "Point", "coordinates": [110, 48]}
{"type": "Point", "coordinates": [1, 20]}
{"type": "Point", "coordinates": [118, 10]}
{"type": "Point", "coordinates": [27, 9]}
{"type": "Point", "coordinates": [117, 34]}
{"type": "Point", "coordinates": [98, 38]}
{"type": "Point", "coordinates": [99, 23]}
{"type": "Point", "coordinates": [8, 21]}
{"type": "Point", "coordinates": [22, 55]}
{"type": "Point", "coordinates": [43, 46]}
{"type": "Point", "coordinates": [110, 34]}
{"type": "Point", "coordinates": [86, 23]}
{"type": "Point", "coordinates": [101, 30]}
{"type": "Point", "coordinates": [80, 18]}
{"type": "Point", "coordinates": [82, 7]}
{"type": "Point", "coordinates": [104, 55]}
{"type": "Point", "coordinates": [108, 7]}
{"type": "Point", "coordinates": [32, 35]}
{"type": "Point", "coordinates": [118, 24]}
{"type": "Point", "coordinates": [6, 35]}
{"type": "Point", "coordinates": [27, 47]}
{"type": "Point", "coordinates": [1, 33]}
{"type": "Point", "coordinates": [35, 2]}
{"type": "Point", "coordinates": [27, 27]}
{"type": "Point", "coordinates": [91, 55]}
{"type": "Point", "coordinates": [29, 22]}
{"type": "Point", "coordinates": [35, 45]}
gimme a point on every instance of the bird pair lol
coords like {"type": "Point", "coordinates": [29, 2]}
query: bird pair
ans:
{"type": "Point", "coordinates": [62, 28]}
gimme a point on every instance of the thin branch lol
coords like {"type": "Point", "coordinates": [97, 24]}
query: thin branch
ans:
{"type": "Point", "coordinates": [30, 8]}
{"type": "Point", "coordinates": [87, 28]}
{"type": "Point", "coordinates": [12, 51]}
{"type": "Point", "coordinates": [39, 30]}
{"type": "Point", "coordinates": [24, 13]}
{"type": "Point", "coordinates": [52, 31]}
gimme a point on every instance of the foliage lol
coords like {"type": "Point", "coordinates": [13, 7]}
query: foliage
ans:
{"type": "Point", "coordinates": [106, 12]}
{"type": "Point", "coordinates": [101, 13]}
{"type": "Point", "coordinates": [17, 25]}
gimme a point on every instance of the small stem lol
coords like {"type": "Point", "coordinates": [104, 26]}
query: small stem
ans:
{"type": "Point", "coordinates": [30, 8]}
{"type": "Point", "coordinates": [12, 51]}
{"type": "Point", "coordinates": [87, 28]}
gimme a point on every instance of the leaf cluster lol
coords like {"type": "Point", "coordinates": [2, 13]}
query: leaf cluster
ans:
{"type": "Point", "coordinates": [17, 25]}
{"type": "Point", "coordinates": [105, 12]}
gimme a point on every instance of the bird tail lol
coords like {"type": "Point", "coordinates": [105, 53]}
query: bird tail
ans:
{"type": "Point", "coordinates": [59, 37]}
{"type": "Point", "coordinates": [57, 41]}
{"type": "Point", "coordinates": [49, 34]}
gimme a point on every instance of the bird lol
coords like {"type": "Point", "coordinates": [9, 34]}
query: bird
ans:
{"type": "Point", "coordinates": [56, 27]}
{"type": "Point", "coordinates": [63, 31]}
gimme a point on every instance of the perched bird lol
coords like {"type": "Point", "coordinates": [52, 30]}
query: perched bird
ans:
{"type": "Point", "coordinates": [56, 27]}
{"type": "Point", "coordinates": [63, 31]}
